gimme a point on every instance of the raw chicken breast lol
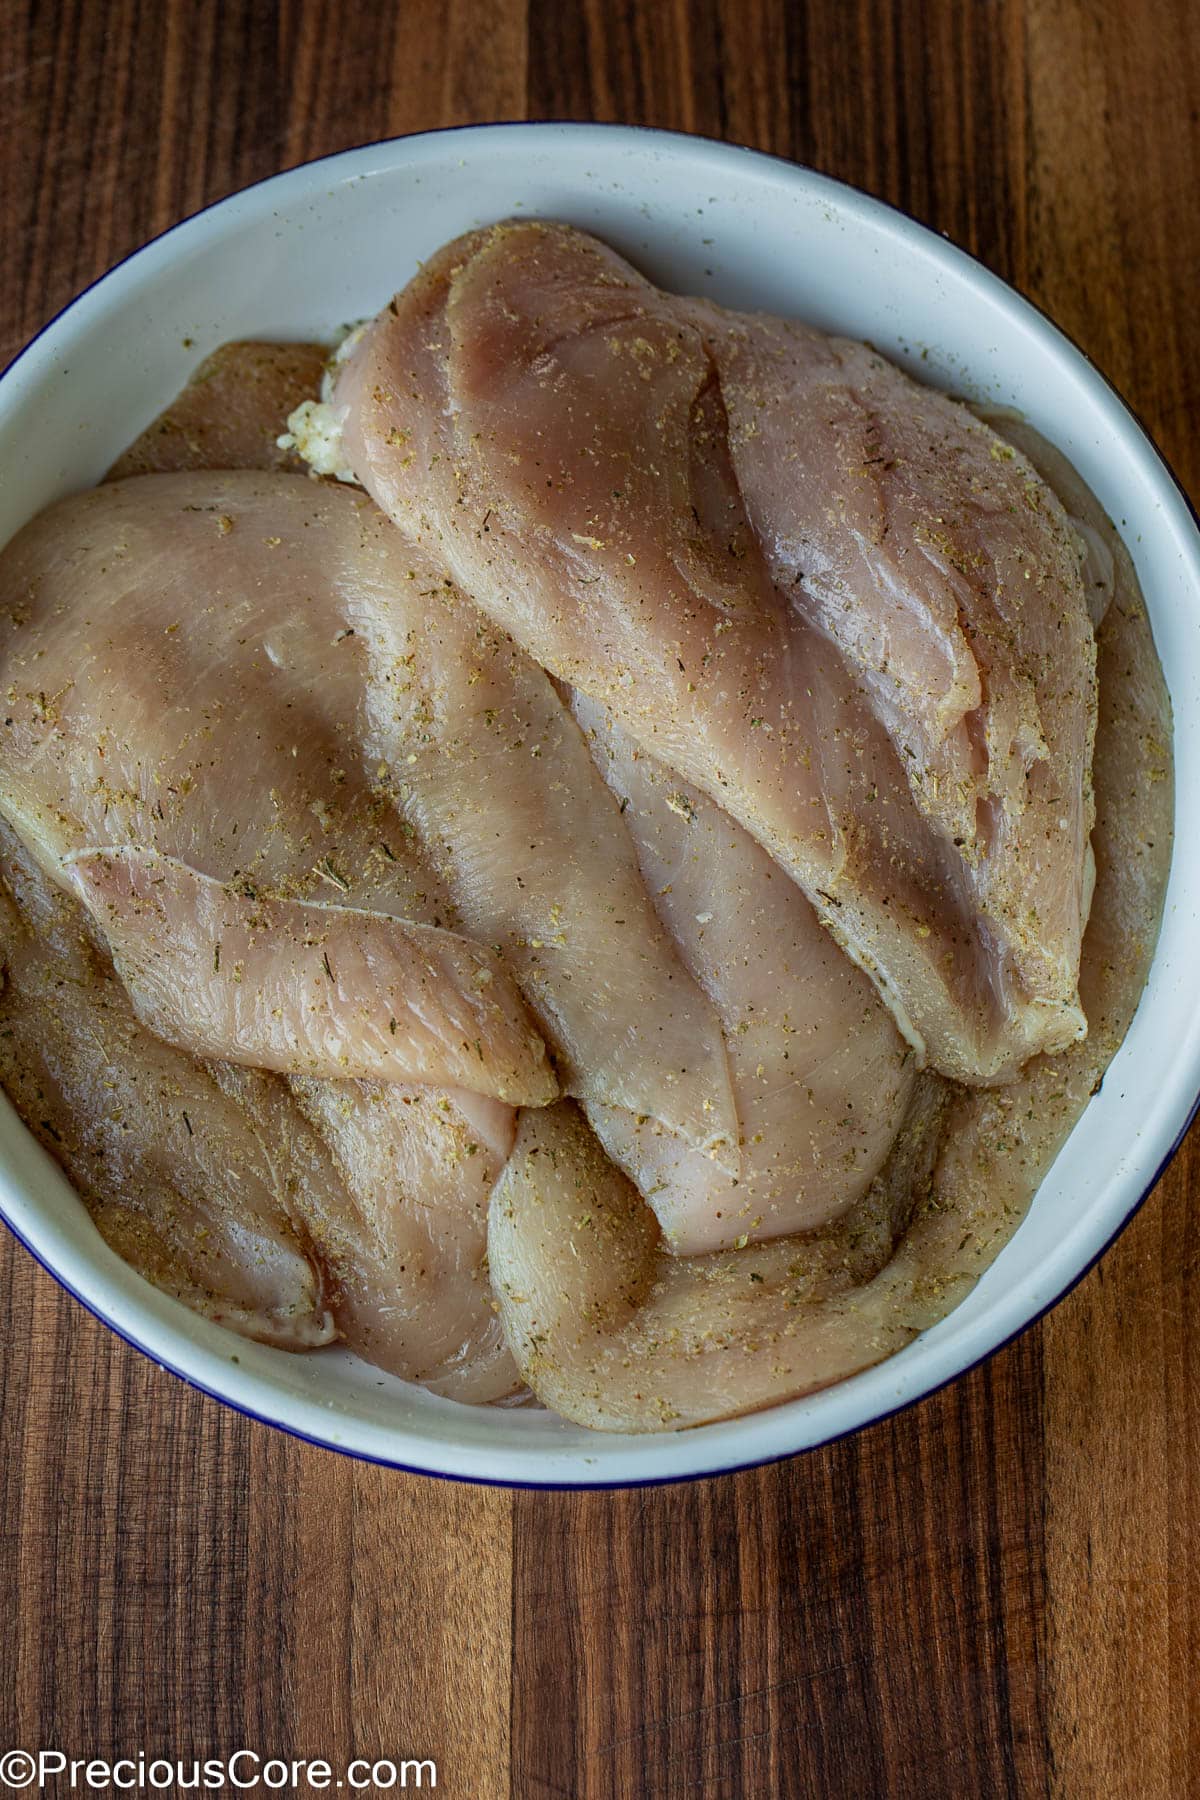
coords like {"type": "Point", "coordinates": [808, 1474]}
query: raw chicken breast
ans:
{"type": "Point", "coordinates": [1106, 561]}
{"type": "Point", "coordinates": [334, 728]}
{"type": "Point", "coordinates": [366, 1168]}
{"type": "Point", "coordinates": [225, 739]}
{"type": "Point", "coordinates": [615, 1333]}
{"type": "Point", "coordinates": [999, 1145]}
{"type": "Point", "coordinates": [821, 1077]}
{"type": "Point", "coordinates": [288, 985]}
{"type": "Point", "coordinates": [181, 676]}
{"type": "Point", "coordinates": [554, 429]}
{"type": "Point", "coordinates": [291, 1213]}
{"type": "Point", "coordinates": [947, 573]}
{"type": "Point", "coordinates": [403, 1234]}
{"type": "Point", "coordinates": [495, 778]}
{"type": "Point", "coordinates": [173, 1169]}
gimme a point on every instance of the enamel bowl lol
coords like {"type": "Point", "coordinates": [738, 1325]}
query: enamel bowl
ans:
{"type": "Point", "coordinates": [304, 252]}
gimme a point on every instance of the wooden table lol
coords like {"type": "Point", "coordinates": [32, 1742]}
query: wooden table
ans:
{"type": "Point", "coordinates": [995, 1593]}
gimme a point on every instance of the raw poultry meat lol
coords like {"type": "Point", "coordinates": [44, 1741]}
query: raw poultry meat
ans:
{"type": "Point", "coordinates": [367, 1197]}
{"type": "Point", "coordinates": [294, 986]}
{"type": "Point", "coordinates": [647, 1339]}
{"type": "Point", "coordinates": [222, 737]}
{"type": "Point", "coordinates": [331, 819]}
{"type": "Point", "coordinates": [293, 1214]}
{"type": "Point", "coordinates": [402, 1234]}
{"type": "Point", "coordinates": [1000, 1143]}
{"type": "Point", "coordinates": [821, 1077]}
{"type": "Point", "coordinates": [556, 430]}
{"type": "Point", "coordinates": [949, 576]}
{"type": "Point", "coordinates": [347, 768]}
{"type": "Point", "coordinates": [172, 1167]}
{"type": "Point", "coordinates": [613, 1332]}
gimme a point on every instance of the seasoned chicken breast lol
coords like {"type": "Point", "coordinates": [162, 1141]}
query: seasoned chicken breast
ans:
{"type": "Point", "coordinates": [350, 772]}
{"type": "Point", "coordinates": [821, 1077]}
{"type": "Point", "coordinates": [296, 1214]}
{"type": "Point", "coordinates": [674, 1027]}
{"type": "Point", "coordinates": [557, 431]}
{"type": "Point", "coordinates": [402, 1235]}
{"type": "Point", "coordinates": [172, 1167]}
{"type": "Point", "coordinates": [930, 551]}
{"type": "Point", "coordinates": [289, 985]}
{"type": "Point", "coordinates": [614, 1332]}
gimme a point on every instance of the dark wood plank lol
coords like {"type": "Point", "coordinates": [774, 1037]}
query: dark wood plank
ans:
{"type": "Point", "coordinates": [390, 69]}
{"type": "Point", "coordinates": [123, 1562]}
{"type": "Point", "coordinates": [866, 1620]}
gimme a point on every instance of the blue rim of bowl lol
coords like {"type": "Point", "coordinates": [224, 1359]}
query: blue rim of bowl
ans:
{"type": "Point", "coordinates": [675, 138]}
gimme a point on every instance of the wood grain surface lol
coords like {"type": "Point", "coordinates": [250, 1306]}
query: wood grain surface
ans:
{"type": "Point", "coordinates": [995, 1593]}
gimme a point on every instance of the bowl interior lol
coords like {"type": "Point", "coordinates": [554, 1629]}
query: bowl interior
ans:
{"type": "Point", "coordinates": [329, 243]}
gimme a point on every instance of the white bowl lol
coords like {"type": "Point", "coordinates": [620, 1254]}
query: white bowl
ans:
{"type": "Point", "coordinates": [306, 251]}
